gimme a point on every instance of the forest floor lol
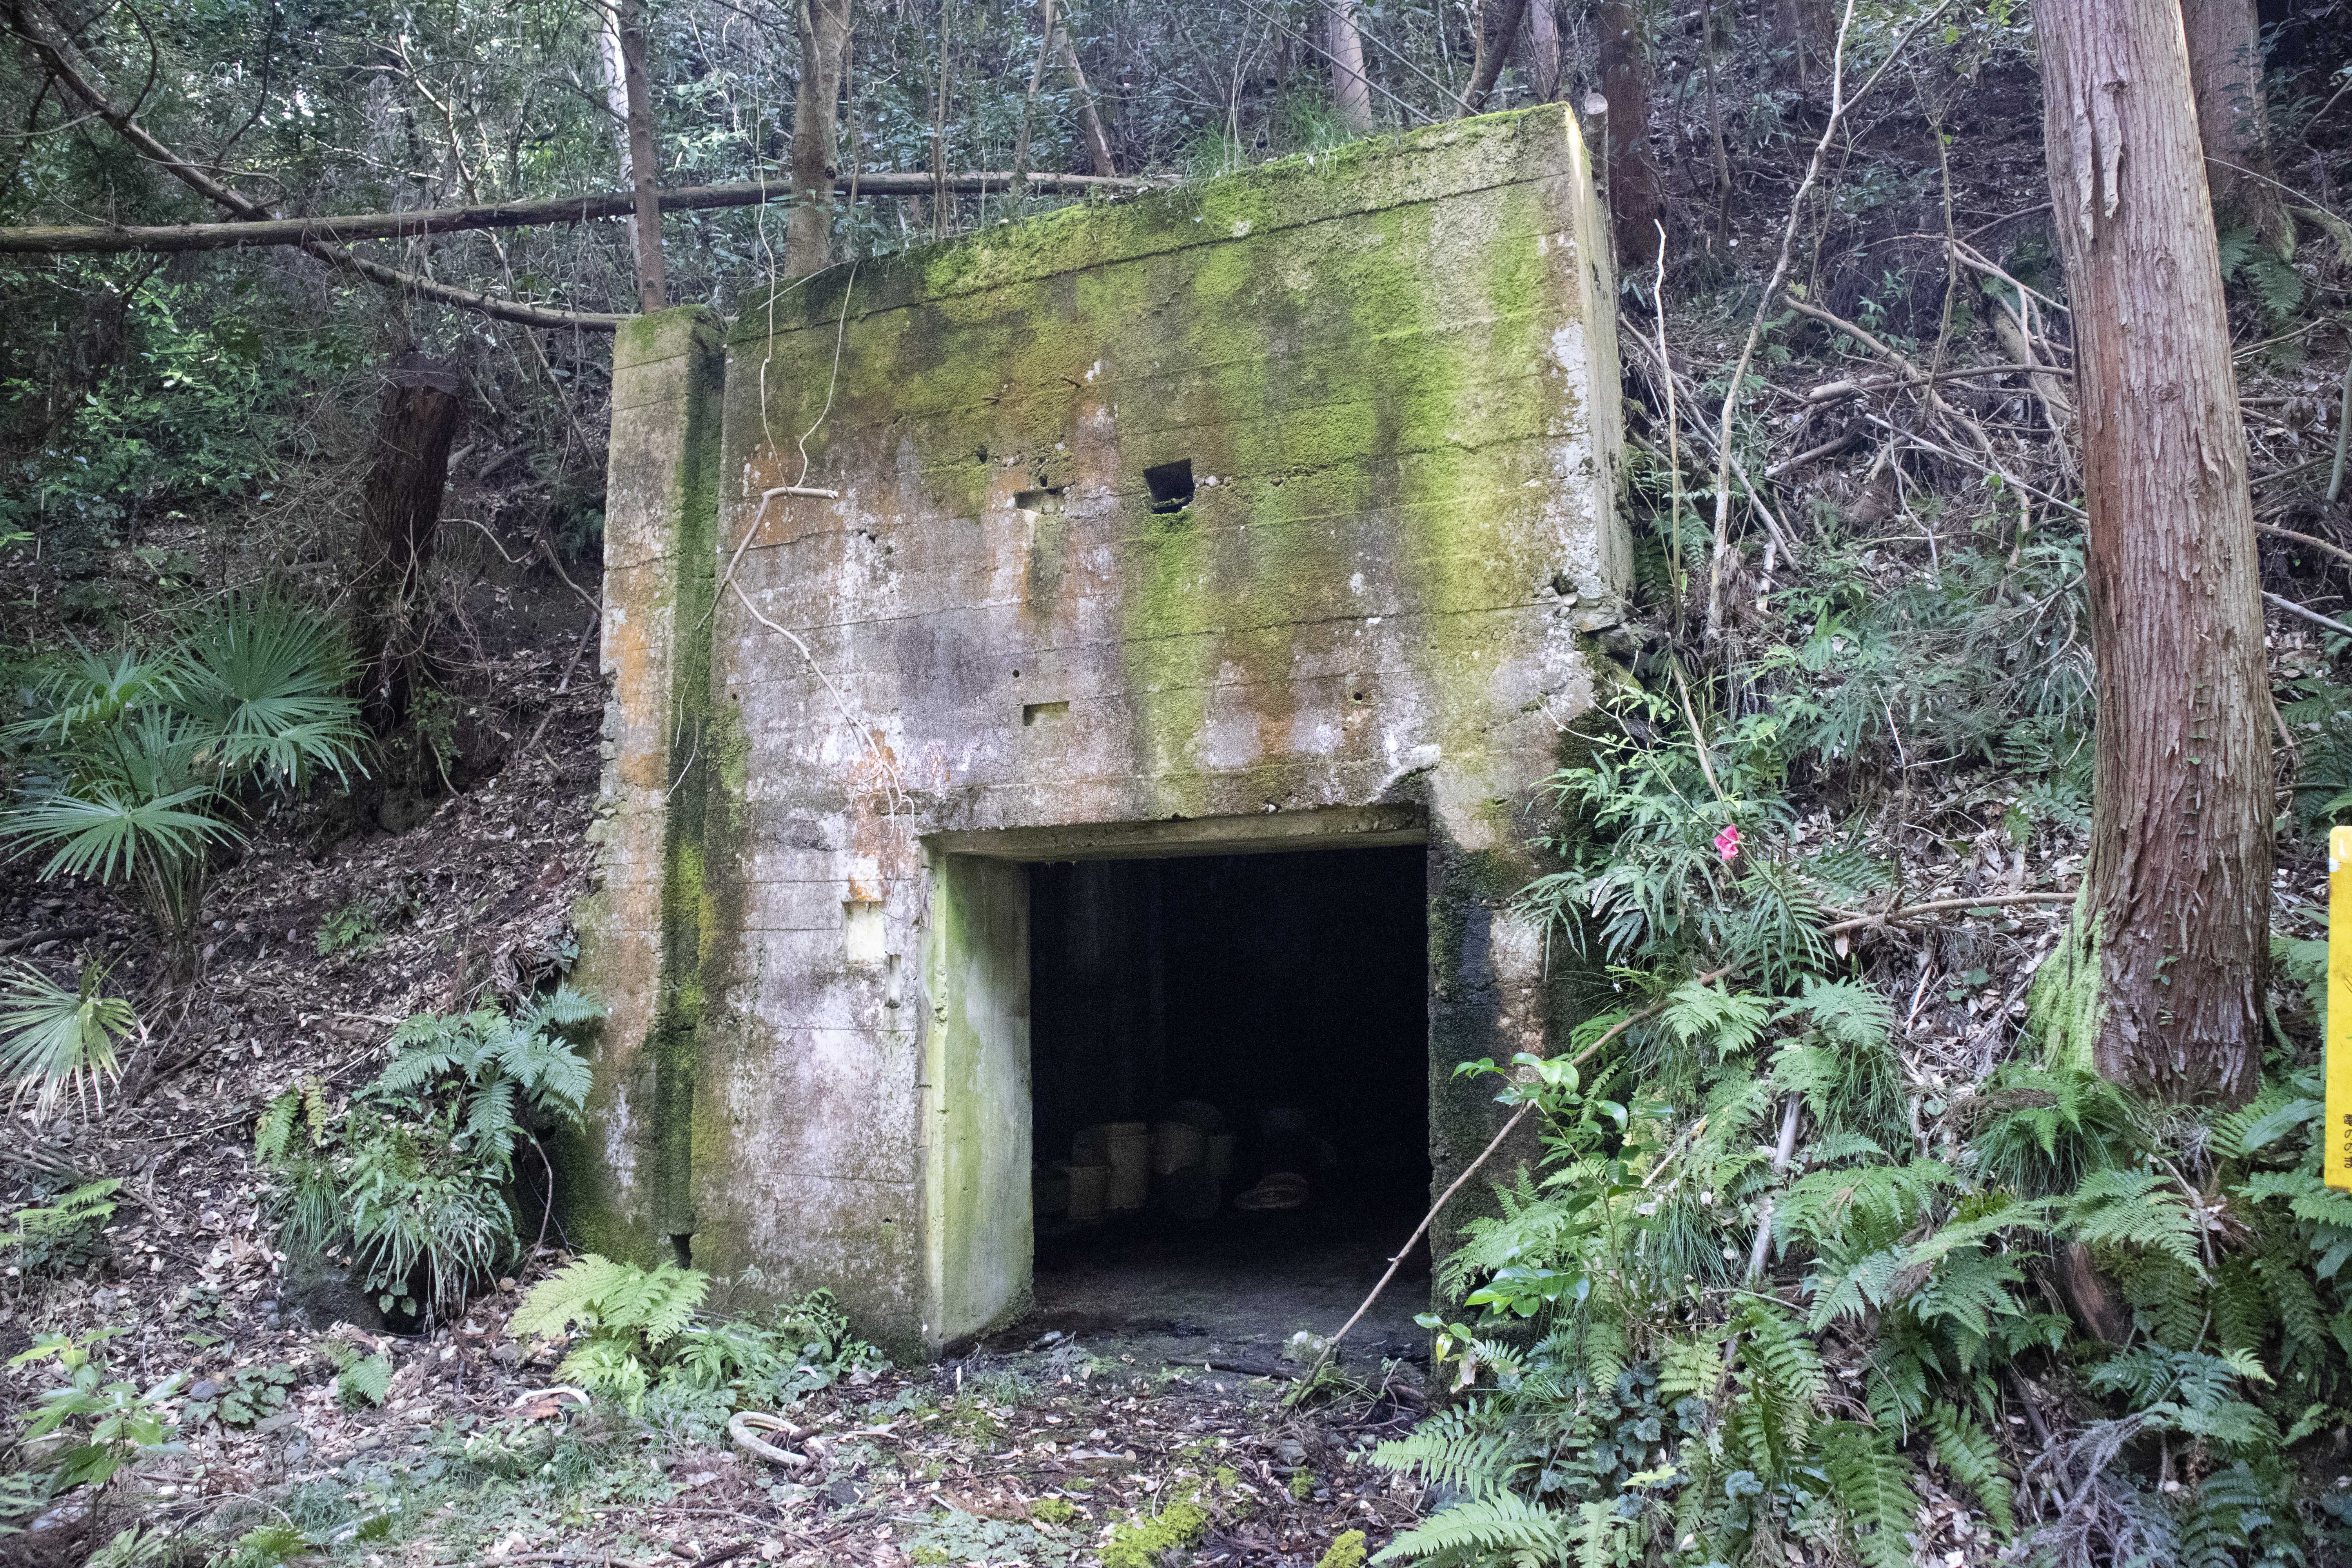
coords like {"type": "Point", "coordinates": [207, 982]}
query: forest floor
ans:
{"type": "Point", "coordinates": [1030, 1449]}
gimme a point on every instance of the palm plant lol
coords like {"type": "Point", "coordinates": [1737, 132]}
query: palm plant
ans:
{"type": "Point", "coordinates": [55, 1041]}
{"type": "Point", "coordinates": [141, 762]}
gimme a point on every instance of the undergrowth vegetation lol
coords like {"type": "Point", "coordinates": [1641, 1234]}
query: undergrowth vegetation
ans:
{"type": "Point", "coordinates": [1774, 1280]}
{"type": "Point", "coordinates": [138, 764]}
{"type": "Point", "coordinates": [412, 1181]}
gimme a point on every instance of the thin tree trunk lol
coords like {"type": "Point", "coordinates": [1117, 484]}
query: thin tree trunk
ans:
{"type": "Point", "coordinates": [1029, 110]}
{"type": "Point", "coordinates": [399, 519]}
{"type": "Point", "coordinates": [1801, 31]}
{"type": "Point", "coordinates": [1492, 53]}
{"type": "Point", "coordinates": [1352, 91]}
{"type": "Point", "coordinates": [1722, 155]}
{"type": "Point", "coordinates": [617, 101]}
{"type": "Point", "coordinates": [823, 26]}
{"type": "Point", "coordinates": [644, 169]}
{"type": "Point", "coordinates": [1636, 191]}
{"type": "Point", "coordinates": [1090, 118]}
{"type": "Point", "coordinates": [1543, 49]}
{"type": "Point", "coordinates": [2225, 63]}
{"type": "Point", "coordinates": [939, 125]}
{"type": "Point", "coordinates": [2158, 983]}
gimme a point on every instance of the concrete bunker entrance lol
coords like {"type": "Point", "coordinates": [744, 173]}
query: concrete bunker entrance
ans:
{"type": "Point", "coordinates": [1229, 1071]}
{"type": "Point", "coordinates": [1184, 1090]}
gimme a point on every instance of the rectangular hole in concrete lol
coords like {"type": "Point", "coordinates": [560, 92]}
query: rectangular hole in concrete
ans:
{"type": "Point", "coordinates": [1033, 712]}
{"type": "Point", "coordinates": [1263, 1019]}
{"type": "Point", "coordinates": [1171, 485]}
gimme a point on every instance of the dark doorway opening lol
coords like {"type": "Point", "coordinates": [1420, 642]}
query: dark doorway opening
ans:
{"type": "Point", "coordinates": [1254, 1028]}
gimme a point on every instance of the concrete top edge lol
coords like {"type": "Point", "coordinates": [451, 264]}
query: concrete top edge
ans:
{"type": "Point", "coordinates": [1329, 827]}
{"type": "Point", "coordinates": [1369, 175]}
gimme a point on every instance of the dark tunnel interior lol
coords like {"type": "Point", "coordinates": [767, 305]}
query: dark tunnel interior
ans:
{"type": "Point", "coordinates": [1255, 1029]}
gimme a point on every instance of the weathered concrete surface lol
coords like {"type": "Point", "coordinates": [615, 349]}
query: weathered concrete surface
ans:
{"type": "Point", "coordinates": [1392, 373]}
{"type": "Point", "coordinates": [625, 1174]}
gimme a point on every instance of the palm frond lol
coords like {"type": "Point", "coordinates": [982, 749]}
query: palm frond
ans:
{"type": "Point", "coordinates": [55, 1041]}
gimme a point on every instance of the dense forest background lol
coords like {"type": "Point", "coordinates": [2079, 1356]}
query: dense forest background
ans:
{"type": "Point", "coordinates": [1849, 1239]}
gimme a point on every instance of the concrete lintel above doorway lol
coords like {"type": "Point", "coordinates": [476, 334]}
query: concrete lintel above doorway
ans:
{"type": "Point", "coordinates": [1331, 828]}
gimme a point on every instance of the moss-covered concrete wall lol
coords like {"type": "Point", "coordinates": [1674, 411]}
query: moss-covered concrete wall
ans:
{"type": "Point", "coordinates": [1391, 375]}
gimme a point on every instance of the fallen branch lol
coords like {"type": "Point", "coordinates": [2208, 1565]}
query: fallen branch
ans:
{"type": "Point", "coordinates": [1837, 390]}
{"type": "Point", "coordinates": [52, 933]}
{"type": "Point", "coordinates": [2005, 477]}
{"type": "Point", "coordinates": [54, 56]}
{"type": "Point", "coordinates": [1829, 448]}
{"type": "Point", "coordinates": [100, 239]}
{"type": "Point", "coordinates": [1940, 906]}
{"type": "Point", "coordinates": [1783, 1151]}
{"type": "Point", "coordinates": [2314, 616]}
{"type": "Point", "coordinates": [1908, 373]}
{"type": "Point", "coordinates": [2335, 549]}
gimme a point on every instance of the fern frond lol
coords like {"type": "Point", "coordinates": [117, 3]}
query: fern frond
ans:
{"type": "Point", "coordinates": [1477, 1529]}
{"type": "Point", "coordinates": [2136, 1209]}
{"type": "Point", "coordinates": [1872, 1485]}
{"type": "Point", "coordinates": [1970, 1456]}
{"type": "Point", "coordinates": [1461, 1448]}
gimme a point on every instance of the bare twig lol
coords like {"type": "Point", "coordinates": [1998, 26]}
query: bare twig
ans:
{"type": "Point", "coordinates": [1839, 106]}
{"type": "Point", "coordinates": [1332, 1344]}
{"type": "Point", "coordinates": [1940, 906]}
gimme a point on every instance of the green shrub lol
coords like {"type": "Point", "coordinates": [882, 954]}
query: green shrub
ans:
{"type": "Point", "coordinates": [638, 1335]}
{"type": "Point", "coordinates": [351, 930]}
{"type": "Point", "coordinates": [142, 758]}
{"type": "Point", "coordinates": [67, 1234]}
{"type": "Point", "coordinates": [414, 1180]}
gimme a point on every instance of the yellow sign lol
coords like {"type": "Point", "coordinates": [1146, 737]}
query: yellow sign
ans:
{"type": "Point", "coordinates": [2339, 1007]}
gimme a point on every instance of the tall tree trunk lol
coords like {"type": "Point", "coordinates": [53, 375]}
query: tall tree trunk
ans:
{"type": "Point", "coordinates": [399, 518]}
{"type": "Point", "coordinates": [2158, 982]}
{"type": "Point", "coordinates": [644, 169]}
{"type": "Point", "coordinates": [1492, 52]}
{"type": "Point", "coordinates": [1636, 191]}
{"type": "Point", "coordinates": [2225, 62]}
{"type": "Point", "coordinates": [1352, 91]}
{"type": "Point", "coordinates": [823, 26]}
{"type": "Point", "coordinates": [1090, 118]}
{"type": "Point", "coordinates": [1543, 49]}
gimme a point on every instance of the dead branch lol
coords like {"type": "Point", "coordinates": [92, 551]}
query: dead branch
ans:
{"type": "Point", "coordinates": [54, 56]}
{"type": "Point", "coordinates": [2335, 549]}
{"type": "Point", "coordinates": [104, 238]}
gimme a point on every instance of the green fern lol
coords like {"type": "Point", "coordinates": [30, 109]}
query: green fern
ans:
{"type": "Point", "coordinates": [2136, 1209]}
{"type": "Point", "coordinates": [1782, 1382]}
{"type": "Point", "coordinates": [1826, 1208]}
{"type": "Point", "coordinates": [603, 1296]}
{"type": "Point", "coordinates": [1872, 1485]}
{"type": "Point", "coordinates": [363, 1380]}
{"type": "Point", "coordinates": [1970, 1456]}
{"type": "Point", "coordinates": [1460, 1447]}
{"type": "Point", "coordinates": [1479, 1529]}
